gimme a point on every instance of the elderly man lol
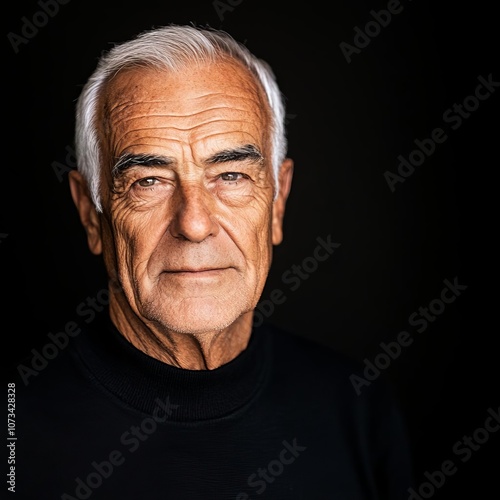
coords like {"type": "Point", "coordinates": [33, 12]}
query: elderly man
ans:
{"type": "Point", "coordinates": [172, 393]}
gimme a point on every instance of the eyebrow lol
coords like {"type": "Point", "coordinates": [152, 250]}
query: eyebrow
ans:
{"type": "Point", "coordinates": [247, 152]}
{"type": "Point", "coordinates": [128, 160]}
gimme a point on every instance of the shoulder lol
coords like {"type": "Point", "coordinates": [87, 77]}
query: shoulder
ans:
{"type": "Point", "coordinates": [50, 371]}
{"type": "Point", "coordinates": [302, 350]}
{"type": "Point", "coordinates": [303, 361]}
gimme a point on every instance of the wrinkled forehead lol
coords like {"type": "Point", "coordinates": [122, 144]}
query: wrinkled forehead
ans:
{"type": "Point", "coordinates": [196, 92]}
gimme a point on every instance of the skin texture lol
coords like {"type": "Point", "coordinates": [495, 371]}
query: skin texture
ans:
{"type": "Point", "coordinates": [186, 237]}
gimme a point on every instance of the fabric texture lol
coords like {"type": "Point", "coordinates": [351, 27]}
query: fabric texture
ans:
{"type": "Point", "coordinates": [281, 421]}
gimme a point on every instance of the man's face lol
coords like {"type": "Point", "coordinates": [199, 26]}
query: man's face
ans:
{"type": "Point", "coordinates": [187, 191]}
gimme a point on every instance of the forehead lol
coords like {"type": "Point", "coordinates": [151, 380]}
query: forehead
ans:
{"type": "Point", "coordinates": [199, 97]}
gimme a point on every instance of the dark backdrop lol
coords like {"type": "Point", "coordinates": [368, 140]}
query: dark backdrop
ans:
{"type": "Point", "coordinates": [348, 121]}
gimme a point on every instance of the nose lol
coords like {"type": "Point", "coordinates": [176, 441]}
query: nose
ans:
{"type": "Point", "coordinates": [193, 218]}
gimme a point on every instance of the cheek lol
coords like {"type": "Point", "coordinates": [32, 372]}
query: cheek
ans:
{"type": "Point", "coordinates": [254, 230]}
{"type": "Point", "coordinates": [136, 234]}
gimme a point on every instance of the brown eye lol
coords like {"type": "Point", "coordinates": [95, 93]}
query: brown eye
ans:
{"type": "Point", "coordinates": [147, 182]}
{"type": "Point", "coordinates": [231, 176]}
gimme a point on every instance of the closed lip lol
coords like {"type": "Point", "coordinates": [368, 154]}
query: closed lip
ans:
{"type": "Point", "coordinates": [193, 270]}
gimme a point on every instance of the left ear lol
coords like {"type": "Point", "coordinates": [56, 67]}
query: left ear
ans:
{"type": "Point", "coordinates": [285, 183]}
{"type": "Point", "coordinates": [88, 215]}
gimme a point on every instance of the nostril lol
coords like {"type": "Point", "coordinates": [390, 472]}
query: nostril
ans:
{"type": "Point", "coordinates": [193, 221]}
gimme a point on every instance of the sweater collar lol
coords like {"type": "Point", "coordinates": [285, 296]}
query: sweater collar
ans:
{"type": "Point", "coordinates": [144, 383]}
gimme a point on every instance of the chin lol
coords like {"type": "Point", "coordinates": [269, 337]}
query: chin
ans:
{"type": "Point", "coordinates": [197, 317]}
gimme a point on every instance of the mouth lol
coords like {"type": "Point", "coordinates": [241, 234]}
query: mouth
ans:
{"type": "Point", "coordinates": [197, 272]}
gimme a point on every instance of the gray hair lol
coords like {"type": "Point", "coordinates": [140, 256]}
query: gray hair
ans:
{"type": "Point", "coordinates": [170, 47]}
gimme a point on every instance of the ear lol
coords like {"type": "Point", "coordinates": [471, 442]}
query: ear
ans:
{"type": "Point", "coordinates": [285, 183]}
{"type": "Point", "coordinates": [89, 217]}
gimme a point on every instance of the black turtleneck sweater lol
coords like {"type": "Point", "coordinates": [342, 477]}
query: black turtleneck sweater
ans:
{"type": "Point", "coordinates": [281, 421]}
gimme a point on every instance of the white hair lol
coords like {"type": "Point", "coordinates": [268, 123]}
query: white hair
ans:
{"type": "Point", "coordinates": [169, 47]}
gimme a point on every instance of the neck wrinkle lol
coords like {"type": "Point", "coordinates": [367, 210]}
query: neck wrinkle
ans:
{"type": "Point", "coordinates": [142, 382]}
{"type": "Point", "coordinates": [192, 351]}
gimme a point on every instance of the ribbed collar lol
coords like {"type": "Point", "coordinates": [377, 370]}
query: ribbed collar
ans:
{"type": "Point", "coordinates": [139, 380]}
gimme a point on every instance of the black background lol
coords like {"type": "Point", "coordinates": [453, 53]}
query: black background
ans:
{"type": "Point", "coordinates": [347, 124]}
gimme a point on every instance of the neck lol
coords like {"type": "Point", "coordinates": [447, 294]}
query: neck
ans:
{"type": "Point", "coordinates": [193, 351]}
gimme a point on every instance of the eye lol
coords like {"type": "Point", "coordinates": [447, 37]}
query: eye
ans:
{"type": "Point", "coordinates": [231, 177]}
{"type": "Point", "coordinates": [147, 182]}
